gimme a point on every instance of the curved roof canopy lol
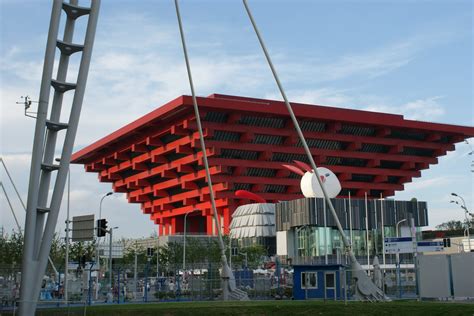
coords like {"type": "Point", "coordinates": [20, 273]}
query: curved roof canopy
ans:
{"type": "Point", "coordinates": [253, 220]}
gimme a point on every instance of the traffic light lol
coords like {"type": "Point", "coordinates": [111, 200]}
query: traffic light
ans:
{"type": "Point", "coordinates": [446, 242]}
{"type": "Point", "coordinates": [101, 227]}
{"type": "Point", "coordinates": [82, 261]}
{"type": "Point", "coordinates": [149, 252]}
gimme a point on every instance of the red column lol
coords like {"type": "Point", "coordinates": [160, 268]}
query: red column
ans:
{"type": "Point", "coordinates": [173, 226]}
{"type": "Point", "coordinates": [226, 214]}
{"type": "Point", "coordinates": [210, 224]}
{"type": "Point", "coordinates": [161, 230]}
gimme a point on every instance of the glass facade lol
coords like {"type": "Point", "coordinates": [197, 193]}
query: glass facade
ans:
{"type": "Point", "coordinates": [313, 241]}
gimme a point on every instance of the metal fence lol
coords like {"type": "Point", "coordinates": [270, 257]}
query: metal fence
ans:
{"type": "Point", "coordinates": [202, 283]}
{"type": "Point", "coordinates": [397, 283]}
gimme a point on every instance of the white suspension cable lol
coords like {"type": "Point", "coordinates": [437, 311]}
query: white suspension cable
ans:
{"type": "Point", "coordinates": [296, 124]}
{"type": "Point", "coordinates": [367, 289]}
{"type": "Point", "coordinates": [227, 273]}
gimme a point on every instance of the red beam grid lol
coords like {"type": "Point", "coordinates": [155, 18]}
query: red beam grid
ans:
{"type": "Point", "coordinates": [157, 159]}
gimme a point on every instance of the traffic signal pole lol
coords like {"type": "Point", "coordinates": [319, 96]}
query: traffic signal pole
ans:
{"type": "Point", "coordinates": [101, 231]}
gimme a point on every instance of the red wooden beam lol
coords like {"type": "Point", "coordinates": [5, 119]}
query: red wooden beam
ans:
{"type": "Point", "coordinates": [354, 146]}
{"type": "Point", "coordinates": [170, 147]}
{"type": "Point", "coordinates": [317, 151]}
{"type": "Point", "coordinates": [177, 130]}
{"type": "Point", "coordinates": [326, 136]}
{"type": "Point", "coordinates": [337, 169]}
{"type": "Point", "coordinates": [177, 181]}
{"type": "Point", "coordinates": [139, 148]}
{"type": "Point", "coordinates": [190, 159]}
{"type": "Point", "coordinates": [121, 156]}
{"type": "Point", "coordinates": [153, 141]}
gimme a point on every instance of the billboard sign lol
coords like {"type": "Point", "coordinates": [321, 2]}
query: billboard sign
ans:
{"type": "Point", "coordinates": [398, 245]}
{"type": "Point", "coordinates": [429, 246]}
{"type": "Point", "coordinates": [83, 228]}
{"type": "Point", "coordinates": [117, 250]}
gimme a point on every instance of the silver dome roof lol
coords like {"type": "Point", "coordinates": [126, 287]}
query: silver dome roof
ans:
{"type": "Point", "coordinates": [253, 220]}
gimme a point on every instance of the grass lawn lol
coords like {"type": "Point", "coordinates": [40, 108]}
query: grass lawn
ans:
{"type": "Point", "coordinates": [273, 308]}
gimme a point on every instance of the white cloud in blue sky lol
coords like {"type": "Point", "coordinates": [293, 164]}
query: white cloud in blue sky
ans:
{"type": "Point", "coordinates": [408, 57]}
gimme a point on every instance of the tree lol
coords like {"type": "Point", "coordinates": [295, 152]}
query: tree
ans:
{"type": "Point", "coordinates": [254, 255]}
{"type": "Point", "coordinates": [11, 249]}
{"type": "Point", "coordinates": [81, 248]}
{"type": "Point", "coordinates": [451, 225]}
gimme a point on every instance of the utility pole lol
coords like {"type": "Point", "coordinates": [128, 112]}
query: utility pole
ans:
{"type": "Point", "coordinates": [468, 221]}
{"type": "Point", "coordinates": [97, 254]}
{"type": "Point", "coordinates": [110, 259]}
{"type": "Point", "coordinates": [66, 239]}
{"type": "Point", "coordinates": [158, 258]}
{"type": "Point", "coordinates": [66, 268]}
{"type": "Point", "coordinates": [135, 272]}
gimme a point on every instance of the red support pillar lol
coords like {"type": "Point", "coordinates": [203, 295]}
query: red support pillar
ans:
{"type": "Point", "coordinates": [161, 229]}
{"type": "Point", "coordinates": [173, 225]}
{"type": "Point", "coordinates": [226, 217]}
{"type": "Point", "coordinates": [210, 224]}
{"type": "Point", "coordinates": [179, 224]}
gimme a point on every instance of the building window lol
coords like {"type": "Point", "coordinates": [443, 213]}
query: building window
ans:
{"type": "Point", "coordinates": [309, 280]}
{"type": "Point", "coordinates": [330, 280]}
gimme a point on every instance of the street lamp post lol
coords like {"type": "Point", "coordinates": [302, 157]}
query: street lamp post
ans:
{"type": "Point", "coordinates": [246, 259]}
{"type": "Point", "coordinates": [184, 239]}
{"type": "Point", "coordinates": [466, 213]}
{"type": "Point", "coordinates": [396, 226]}
{"type": "Point", "coordinates": [66, 268]}
{"type": "Point", "coordinates": [398, 260]}
{"type": "Point", "coordinates": [110, 257]}
{"type": "Point", "coordinates": [101, 200]}
{"type": "Point", "coordinates": [66, 263]}
{"type": "Point", "coordinates": [97, 246]}
{"type": "Point", "coordinates": [396, 232]}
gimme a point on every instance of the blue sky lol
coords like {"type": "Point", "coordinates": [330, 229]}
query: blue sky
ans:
{"type": "Point", "coordinates": [407, 57]}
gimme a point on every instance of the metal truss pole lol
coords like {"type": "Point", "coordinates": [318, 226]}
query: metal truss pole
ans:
{"type": "Point", "coordinates": [30, 263]}
{"type": "Point", "coordinates": [38, 236]}
{"type": "Point", "coordinates": [366, 289]}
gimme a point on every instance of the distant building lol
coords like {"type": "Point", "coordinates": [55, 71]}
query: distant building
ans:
{"type": "Point", "coordinates": [307, 233]}
{"type": "Point", "coordinates": [458, 241]}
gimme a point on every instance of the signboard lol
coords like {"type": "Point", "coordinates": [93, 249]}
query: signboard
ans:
{"type": "Point", "coordinates": [398, 245]}
{"type": "Point", "coordinates": [427, 246]}
{"type": "Point", "coordinates": [465, 244]}
{"type": "Point", "coordinates": [83, 228]}
{"type": "Point", "coordinates": [117, 250]}
{"type": "Point", "coordinates": [406, 245]}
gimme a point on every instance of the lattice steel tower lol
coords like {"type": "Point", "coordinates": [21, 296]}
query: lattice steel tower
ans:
{"type": "Point", "coordinates": [38, 235]}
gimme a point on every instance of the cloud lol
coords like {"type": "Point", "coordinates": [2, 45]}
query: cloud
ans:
{"type": "Point", "coordinates": [324, 96]}
{"type": "Point", "coordinates": [431, 183]}
{"type": "Point", "coordinates": [131, 75]}
{"type": "Point", "coordinates": [439, 215]}
{"type": "Point", "coordinates": [86, 192]}
{"type": "Point", "coordinates": [372, 64]}
{"type": "Point", "coordinates": [426, 109]}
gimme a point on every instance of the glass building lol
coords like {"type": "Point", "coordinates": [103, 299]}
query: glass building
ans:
{"type": "Point", "coordinates": [309, 230]}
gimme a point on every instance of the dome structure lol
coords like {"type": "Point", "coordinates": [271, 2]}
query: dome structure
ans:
{"type": "Point", "coordinates": [253, 221]}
